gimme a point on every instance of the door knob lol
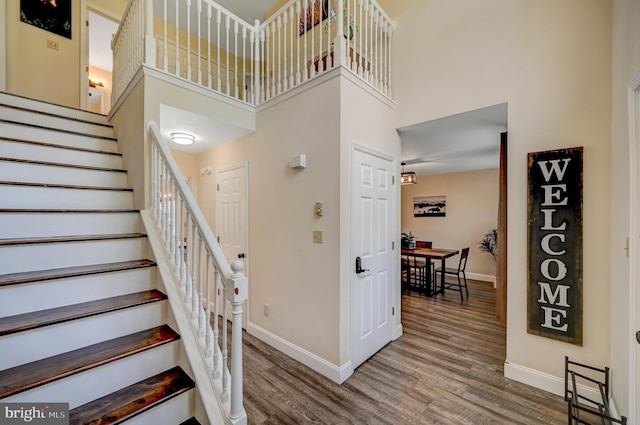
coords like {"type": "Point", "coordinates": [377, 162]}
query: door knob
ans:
{"type": "Point", "coordinates": [241, 255]}
{"type": "Point", "coordinates": [638, 337]}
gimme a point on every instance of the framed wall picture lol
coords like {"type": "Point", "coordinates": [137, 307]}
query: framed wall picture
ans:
{"type": "Point", "coordinates": [429, 206]}
{"type": "Point", "coordinates": [316, 13]}
{"type": "Point", "coordinates": [50, 15]}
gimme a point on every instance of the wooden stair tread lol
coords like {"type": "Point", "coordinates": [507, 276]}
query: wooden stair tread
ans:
{"type": "Point", "coordinates": [67, 186]}
{"type": "Point", "coordinates": [54, 145]}
{"type": "Point", "coordinates": [76, 238]}
{"type": "Point", "coordinates": [133, 400]}
{"type": "Point", "coordinates": [39, 275]}
{"type": "Point", "coordinates": [52, 316]}
{"type": "Point", "coordinates": [61, 164]}
{"type": "Point", "coordinates": [30, 375]}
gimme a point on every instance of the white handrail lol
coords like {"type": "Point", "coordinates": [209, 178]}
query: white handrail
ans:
{"type": "Point", "coordinates": [194, 252]}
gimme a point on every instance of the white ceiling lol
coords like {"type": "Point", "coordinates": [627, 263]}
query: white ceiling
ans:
{"type": "Point", "coordinates": [463, 142]}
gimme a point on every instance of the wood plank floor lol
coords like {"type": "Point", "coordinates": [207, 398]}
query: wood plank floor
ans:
{"type": "Point", "coordinates": [447, 368]}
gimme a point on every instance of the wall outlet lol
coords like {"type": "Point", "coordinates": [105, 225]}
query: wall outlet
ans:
{"type": "Point", "coordinates": [52, 44]}
{"type": "Point", "coordinates": [317, 236]}
{"type": "Point", "coordinates": [266, 310]}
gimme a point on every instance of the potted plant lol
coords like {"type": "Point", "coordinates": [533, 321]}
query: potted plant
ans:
{"type": "Point", "coordinates": [489, 243]}
{"type": "Point", "coordinates": [408, 240]}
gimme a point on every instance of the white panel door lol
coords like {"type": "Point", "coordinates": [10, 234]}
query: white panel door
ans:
{"type": "Point", "coordinates": [231, 212]}
{"type": "Point", "coordinates": [372, 223]}
{"type": "Point", "coordinates": [232, 221]}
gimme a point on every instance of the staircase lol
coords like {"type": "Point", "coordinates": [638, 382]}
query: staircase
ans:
{"type": "Point", "coordinates": [83, 317]}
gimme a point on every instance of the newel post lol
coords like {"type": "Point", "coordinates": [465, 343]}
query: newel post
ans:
{"type": "Point", "coordinates": [149, 38]}
{"type": "Point", "coordinates": [237, 296]}
{"type": "Point", "coordinates": [340, 43]}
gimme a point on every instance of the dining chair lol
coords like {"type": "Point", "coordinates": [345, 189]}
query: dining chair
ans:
{"type": "Point", "coordinates": [414, 270]}
{"type": "Point", "coordinates": [459, 273]}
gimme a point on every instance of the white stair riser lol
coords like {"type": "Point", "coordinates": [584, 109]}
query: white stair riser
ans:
{"type": "Point", "coordinates": [22, 102]}
{"type": "Point", "coordinates": [49, 341]}
{"type": "Point", "coordinates": [30, 257]}
{"type": "Point", "coordinates": [60, 292]}
{"type": "Point", "coordinates": [51, 121]}
{"type": "Point", "coordinates": [17, 131]}
{"type": "Point", "coordinates": [174, 411]}
{"type": "Point", "coordinates": [18, 150]}
{"type": "Point", "coordinates": [37, 173]}
{"type": "Point", "coordinates": [46, 224]}
{"type": "Point", "coordinates": [16, 196]}
{"type": "Point", "coordinates": [84, 387]}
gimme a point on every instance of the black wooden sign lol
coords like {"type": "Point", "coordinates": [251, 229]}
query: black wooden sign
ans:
{"type": "Point", "coordinates": [554, 295]}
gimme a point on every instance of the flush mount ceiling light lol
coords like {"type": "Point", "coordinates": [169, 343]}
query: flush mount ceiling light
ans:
{"type": "Point", "coordinates": [183, 138]}
{"type": "Point", "coordinates": [407, 177]}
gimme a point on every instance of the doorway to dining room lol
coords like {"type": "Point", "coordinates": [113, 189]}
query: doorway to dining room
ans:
{"type": "Point", "coordinates": [461, 161]}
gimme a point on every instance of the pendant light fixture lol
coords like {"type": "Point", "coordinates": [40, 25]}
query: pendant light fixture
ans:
{"type": "Point", "coordinates": [407, 177]}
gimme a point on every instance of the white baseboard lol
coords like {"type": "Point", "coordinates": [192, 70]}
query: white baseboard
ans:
{"type": "Point", "coordinates": [482, 277]}
{"type": "Point", "coordinates": [338, 374]}
{"type": "Point", "coordinates": [544, 381]}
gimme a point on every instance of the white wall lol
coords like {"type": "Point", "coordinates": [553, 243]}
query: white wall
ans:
{"type": "Point", "coordinates": [551, 61]}
{"type": "Point", "coordinates": [472, 210]}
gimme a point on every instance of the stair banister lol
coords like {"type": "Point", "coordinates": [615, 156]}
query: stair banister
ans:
{"type": "Point", "coordinates": [201, 251]}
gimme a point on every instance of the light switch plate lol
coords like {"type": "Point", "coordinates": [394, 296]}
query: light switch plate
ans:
{"type": "Point", "coordinates": [317, 236]}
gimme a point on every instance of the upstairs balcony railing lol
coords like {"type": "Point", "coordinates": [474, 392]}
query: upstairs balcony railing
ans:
{"type": "Point", "coordinates": [201, 42]}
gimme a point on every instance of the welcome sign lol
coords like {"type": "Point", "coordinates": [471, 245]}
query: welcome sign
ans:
{"type": "Point", "coordinates": [554, 295]}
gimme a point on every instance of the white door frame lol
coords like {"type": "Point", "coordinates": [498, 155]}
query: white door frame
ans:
{"type": "Point", "coordinates": [634, 246]}
{"type": "Point", "coordinates": [85, 7]}
{"type": "Point", "coordinates": [3, 45]}
{"type": "Point", "coordinates": [393, 212]}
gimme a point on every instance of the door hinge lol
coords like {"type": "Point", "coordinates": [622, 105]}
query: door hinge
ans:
{"type": "Point", "coordinates": [393, 245]}
{"type": "Point", "coordinates": [393, 180]}
{"type": "Point", "coordinates": [218, 187]}
{"type": "Point", "coordinates": [393, 311]}
{"type": "Point", "coordinates": [218, 239]}
{"type": "Point", "coordinates": [87, 21]}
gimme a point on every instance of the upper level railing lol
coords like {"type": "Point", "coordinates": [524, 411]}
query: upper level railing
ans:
{"type": "Point", "coordinates": [204, 276]}
{"type": "Point", "coordinates": [201, 42]}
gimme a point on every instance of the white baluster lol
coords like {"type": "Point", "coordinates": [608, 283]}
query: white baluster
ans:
{"type": "Point", "coordinates": [199, 42]}
{"type": "Point", "coordinates": [165, 25]}
{"type": "Point", "coordinates": [189, 75]}
{"type": "Point", "coordinates": [255, 34]}
{"type": "Point", "coordinates": [218, 22]}
{"type": "Point", "coordinates": [172, 211]}
{"type": "Point", "coordinates": [209, 348]}
{"type": "Point", "coordinates": [195, 271]}
{"type": "Point", "coordinates": [227, 25]}
{"type": "Point", "coordinates": [202, 282]}
{"type": "Point", "coordinates": [235, 60]}
{"type": "Point", "coordinates": [225, 350]}
{"type": "Point", "coordinates": [244, 64]}
{"type": "Point", "coordinates": [295, 32]}
{"type": "Point", "coordinates": [188, 255]}
{"type": "Point", "coordinates": [209, 81]}
{"type": "Point", "coordinates": [177, 39]}
{"type": "Point", "coordinates": [216, 324]}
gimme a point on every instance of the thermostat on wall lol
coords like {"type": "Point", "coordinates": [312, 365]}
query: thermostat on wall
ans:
{"type": "Point", "coordinates": [299, 161]}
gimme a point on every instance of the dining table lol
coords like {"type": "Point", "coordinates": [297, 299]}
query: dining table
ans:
{"type": "Point", "coordinates": [432, 254]}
